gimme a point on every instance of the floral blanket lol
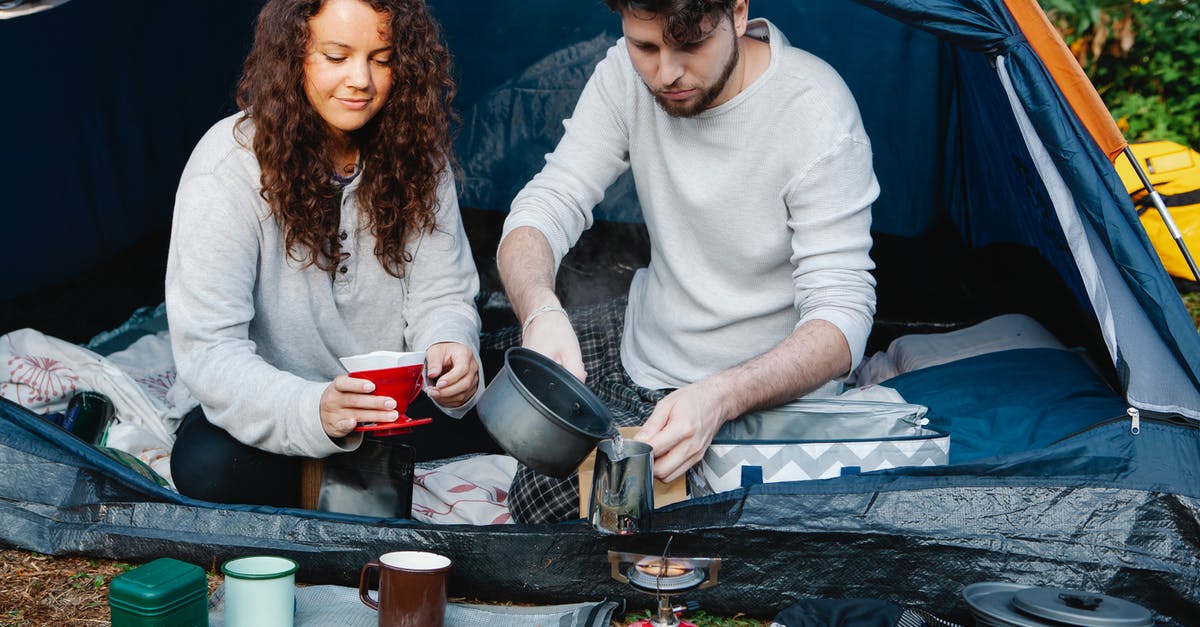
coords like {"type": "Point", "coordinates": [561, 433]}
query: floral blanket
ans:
{"type": "Point", "coordinates": [467, 491]}
{"type": "Point", "coordinates": [41, 373]}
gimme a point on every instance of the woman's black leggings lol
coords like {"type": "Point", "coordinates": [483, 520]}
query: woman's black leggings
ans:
{"type": "Point", "coordinates": [209, 464]}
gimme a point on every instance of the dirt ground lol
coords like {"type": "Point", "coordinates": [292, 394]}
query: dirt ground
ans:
{"type": "Point", "coordinates": [38, 590]}
{"type": "Point", "coordinates": [42, 590]}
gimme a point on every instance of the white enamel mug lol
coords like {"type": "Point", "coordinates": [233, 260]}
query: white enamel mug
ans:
{"type": "Point", "coordinates": [260, 591]}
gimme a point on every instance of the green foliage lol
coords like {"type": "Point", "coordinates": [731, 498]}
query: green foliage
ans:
{"type": "Point", "coordinates": [81, 581]}
{"type": "Point", "coordinates": [1144, 58]}
{"type": "Point", "coordinates": [1192, 301]}
{"type": "Point", "coordinates": [701, 619]}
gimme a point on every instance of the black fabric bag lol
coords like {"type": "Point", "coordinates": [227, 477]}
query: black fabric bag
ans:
{"type": "Point", "coordinates": [375, 480]}
{"type": "Point", "coordinates": [855, 613]}
{"type": "Point", "coordinates": [840, 613]}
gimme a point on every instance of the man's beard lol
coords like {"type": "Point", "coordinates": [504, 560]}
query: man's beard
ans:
{"type": "Point", "coordinates": [691, 108]}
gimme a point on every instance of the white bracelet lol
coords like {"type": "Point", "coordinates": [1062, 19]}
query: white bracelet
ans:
{"type": "Point", "coordinates": [539, 311]}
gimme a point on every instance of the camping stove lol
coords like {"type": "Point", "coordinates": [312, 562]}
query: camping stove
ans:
{"type": "Point", "coordinates": [664, 576]}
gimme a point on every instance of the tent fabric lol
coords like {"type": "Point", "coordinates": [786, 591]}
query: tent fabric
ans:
{"type": "Point", "coordinates": [1061, 64]}
{"type": "Point", "coordinates": [985, 25]}
{"type": "Point", "coordinates": [1118, 516]}
{"type": "Point", "coordinates": [88, 176]}
{"type": "Point", "coordinates": [1141, 350]}
{"type": "Point", "coordinates": [1101, 202]}
{"type": "Point", "coordinates": [972, 137]}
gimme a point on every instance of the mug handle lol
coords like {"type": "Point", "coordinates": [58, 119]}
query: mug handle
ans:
{"type": "Point", "coordinates": [363, 594]}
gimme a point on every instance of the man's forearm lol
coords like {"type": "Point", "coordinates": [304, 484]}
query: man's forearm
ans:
{"type": "Point", "coordinates": [526, 265]}
{"type": "Point", "coordinates": [812, 355]}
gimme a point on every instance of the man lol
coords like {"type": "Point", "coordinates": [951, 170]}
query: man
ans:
{"type": "Point", "coordinates": [755, 180]}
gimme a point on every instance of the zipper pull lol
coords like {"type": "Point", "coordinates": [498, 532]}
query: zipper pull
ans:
{"type": "Point", "coordinates": [1135, 418]}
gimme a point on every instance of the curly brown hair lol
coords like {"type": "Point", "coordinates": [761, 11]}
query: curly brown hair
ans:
{"type": "Point", "coordinates": [406, 147]}
{"type": "Point", "coordinates": [684, 21]}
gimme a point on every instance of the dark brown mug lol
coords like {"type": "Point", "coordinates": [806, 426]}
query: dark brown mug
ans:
{"type": "Point", "coordinates": [412, 588]}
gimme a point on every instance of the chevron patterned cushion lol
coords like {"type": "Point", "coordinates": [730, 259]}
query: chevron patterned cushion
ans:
{"type": "Point", "coordinates": [794, 443]}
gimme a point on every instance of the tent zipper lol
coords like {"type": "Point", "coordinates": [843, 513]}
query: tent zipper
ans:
{"type": "Point", "coordinates": [1135, 418]}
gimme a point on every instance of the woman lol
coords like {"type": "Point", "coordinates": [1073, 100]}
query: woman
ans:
{"type": "Point", "coordinates": [318, 223]}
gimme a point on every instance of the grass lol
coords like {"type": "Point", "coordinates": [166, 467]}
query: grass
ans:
{"type": "Point", "coordinates": [1192, 301]}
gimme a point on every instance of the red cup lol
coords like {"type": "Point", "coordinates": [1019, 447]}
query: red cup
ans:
{"type": "Point", "coordinates": [401, 383]}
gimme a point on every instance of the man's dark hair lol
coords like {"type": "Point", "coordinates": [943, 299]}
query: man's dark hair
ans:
{"type": "Point", "coordinates": [683, 20]}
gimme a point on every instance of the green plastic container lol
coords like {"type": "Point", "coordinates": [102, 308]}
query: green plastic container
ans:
{"type": "Point", "coordinates": [163, 593]}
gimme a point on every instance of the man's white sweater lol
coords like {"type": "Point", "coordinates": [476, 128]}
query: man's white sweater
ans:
{"type": "Point", "coordinates": [758, 211]}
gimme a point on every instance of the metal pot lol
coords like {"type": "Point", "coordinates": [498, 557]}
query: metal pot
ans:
{"type": "Point", "coordinates": [539, 413]}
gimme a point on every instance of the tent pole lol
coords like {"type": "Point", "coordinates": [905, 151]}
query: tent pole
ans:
{"type": "Point", "coordinates": [1159, 205]}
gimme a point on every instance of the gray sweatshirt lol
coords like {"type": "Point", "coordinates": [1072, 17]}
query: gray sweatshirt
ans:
{"type": "Point", "coordinates": [758, 211]}
{"type": "Point", "coordinates": [257, 336]}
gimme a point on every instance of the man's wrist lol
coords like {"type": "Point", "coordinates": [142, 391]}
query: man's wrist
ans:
{"type": "Point", "coordinates": [727, 393]}
{"type": "Point", "coordinates": [544, 309]}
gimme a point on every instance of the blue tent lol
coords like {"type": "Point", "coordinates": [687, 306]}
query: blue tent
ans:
{"type": "Point", "coordinates": [981, 144]}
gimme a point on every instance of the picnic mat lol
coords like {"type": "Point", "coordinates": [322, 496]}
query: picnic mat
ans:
{"type": "Point", "coordinates": [321, 606]}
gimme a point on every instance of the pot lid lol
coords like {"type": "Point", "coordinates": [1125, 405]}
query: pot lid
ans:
{"type": "Point", "coordinates": [1014, 605]}
{"type": "Point", "coordinates": [991, 602]}
{"type": "Point", "coordinates": [1075, 607]}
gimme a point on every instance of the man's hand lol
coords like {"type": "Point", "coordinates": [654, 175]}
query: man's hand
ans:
{"type": "Point", "coordinates": [551, 334]}
{"type": "Point", "coordinates": [681, 428]}
{"type": "Point", "coordinates": [346, 402]}
{"type": "Point", "coordinates": [683, 424]}
{"type": "Point", "coordinates": [454, 371]}
{"type": "Point", "coordinates": [527, 269]}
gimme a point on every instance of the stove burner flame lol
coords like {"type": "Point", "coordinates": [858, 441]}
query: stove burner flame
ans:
{"type": "Point", "coordinates": [662, 575]}
{"type": "Point", "coordinates": [670, 567]}
{"type": "Point", "coordinates": [654, 574]}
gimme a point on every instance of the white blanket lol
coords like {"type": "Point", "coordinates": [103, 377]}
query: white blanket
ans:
{"type": "Point", "coordinates": [924, 350]}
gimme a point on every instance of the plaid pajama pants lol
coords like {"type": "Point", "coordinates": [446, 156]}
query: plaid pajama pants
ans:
{"type": "Point", "coordinates": [536, 498]}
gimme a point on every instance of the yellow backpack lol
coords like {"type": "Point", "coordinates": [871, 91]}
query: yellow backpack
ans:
{"type": "Point", "coordinates": [1174, 170]}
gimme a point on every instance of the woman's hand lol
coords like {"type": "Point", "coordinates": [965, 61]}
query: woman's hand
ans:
{"type": "Point", "coordinates": [452, 369]}
{"type": "Point", "coordinates": [347, 402]}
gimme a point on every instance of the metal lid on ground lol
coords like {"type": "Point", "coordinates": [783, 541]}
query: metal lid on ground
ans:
{"type": "Point", "coordinates": [1005, 604]}
{"type": "Point", "coordinates": [1075, 607]}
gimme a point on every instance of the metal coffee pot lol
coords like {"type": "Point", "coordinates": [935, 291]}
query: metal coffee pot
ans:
{"type": "Point", "coordinates": [622, 500]}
